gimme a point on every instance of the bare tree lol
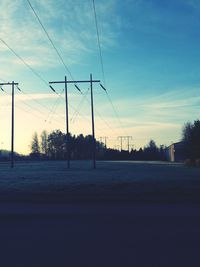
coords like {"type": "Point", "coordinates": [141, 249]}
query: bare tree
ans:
{"type": "Point", "coordinates": [35, 148]}
{"type": "Point", "coordinates": [44, 142]}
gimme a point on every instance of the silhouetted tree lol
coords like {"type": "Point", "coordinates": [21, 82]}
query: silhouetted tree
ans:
{"type": "Point", "coordinates": [35, 148]}
{"type": "Point", "coordinates": [57, 145]}
{"type": "Point", "coordinates": [44, 142]}
{"type": "Point", "coordinates": [80, 147]}
{"type": "Point", "coordinates": [83, 146]}
{"type": "Point", "coordinates": [191, 138]}
{"type": "Point", "coordinates": [151, 151]}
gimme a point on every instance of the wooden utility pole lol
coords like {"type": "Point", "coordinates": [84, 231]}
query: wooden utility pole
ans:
{"type": "Point", "coordinates": [93, 131]}
{"type": "Point", "coordinates": [90, 81]}
{"type": "Point", "coordinates": [12, 119]}
{"type": "Point", "coordinates": [67, 124]}
{"type": "Point", "coordinates": [66, 118]}
{"type": "Point", "coordinates": [12, 127]}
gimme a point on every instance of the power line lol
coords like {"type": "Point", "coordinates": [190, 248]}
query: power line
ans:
{"type": "Point", "coordinates": [49, 38]}
{"type": "Point", "coordinates": [34, 114]}
{"type": "Point", "coordinates": [114, 109]}
{"type": "Point", "coordinates": [52, 112]}
{"type": "Point", "coordinates": [57, 52]}
{"type": "Point", "coordinates": [66, 82]}
{"type": "Point", "coordinates": [102, 65]}
{"type": "Point", "coordinates": [98, 114]}
{"type": "Point", "coordinates": [77, 111]}
{"type": "Point", "coordinates": [105, 122]}
{"type": "Point", "coordinates": [99, 44]}
{"type": "Point", "coordinates": [30, 107]}
{"type": "Point", "coordinates": [12, 117]}
{"type": "Point", "coordinates": [24, 62]}
{"type": "Point", "coordinates": [54, 109]}
{"type": "Point", "coordinates": [33, 99]}
{"type": "Point", "coordinates": [45, 107]}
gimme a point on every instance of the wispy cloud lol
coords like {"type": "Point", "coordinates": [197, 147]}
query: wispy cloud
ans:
{"type": "Point", "coordinates": [160, 116]}
{"type": "Point", "coordinates": [177, 102]}
{"type": "Point", "coordinates": [70, 25]}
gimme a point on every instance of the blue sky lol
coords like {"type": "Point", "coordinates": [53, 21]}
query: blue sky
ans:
{"type": "Point", "coordinates": [151, 59]}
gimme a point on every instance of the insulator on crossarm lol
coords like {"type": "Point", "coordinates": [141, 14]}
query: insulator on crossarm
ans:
{"type": "Point", "coordinates": [77, 87]}
{"type": "Point", "coordinates": [52, 89]}
{"type": "Point", "coordinates": [102, 87]}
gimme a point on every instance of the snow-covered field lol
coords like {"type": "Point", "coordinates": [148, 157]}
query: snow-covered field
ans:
{"type": "Point", "coordinates": [111, 180]}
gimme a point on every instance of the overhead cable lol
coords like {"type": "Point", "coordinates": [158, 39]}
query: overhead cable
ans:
{"type": "Point", "coordinates": [99, 44]}
{"type": "Point", "coordinates": [50, 39]}
{"type": "Point", "coordinates": [24, 62]}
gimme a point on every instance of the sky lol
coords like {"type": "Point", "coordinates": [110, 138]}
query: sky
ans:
{"type": "Point", "coordinates": [150, 51]}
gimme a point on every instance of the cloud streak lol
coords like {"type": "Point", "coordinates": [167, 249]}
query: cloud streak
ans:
{"type": "Point", "coordinates": [70, 25]}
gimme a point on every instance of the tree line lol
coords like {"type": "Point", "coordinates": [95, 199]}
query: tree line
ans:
{"type": "Point", "coordinates": [191, 140]}
{"type": "Point", "coordinates": [54, 146]}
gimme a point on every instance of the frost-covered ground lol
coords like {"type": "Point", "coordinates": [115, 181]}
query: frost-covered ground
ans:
{"type": "Point", "coordinates": [121, 180]}
{"type": "Point", "coordinates": [56, 230]}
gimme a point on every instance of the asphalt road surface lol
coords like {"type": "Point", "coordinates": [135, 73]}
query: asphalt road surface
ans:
{"type": "Point", "coordinates": [98, 235]}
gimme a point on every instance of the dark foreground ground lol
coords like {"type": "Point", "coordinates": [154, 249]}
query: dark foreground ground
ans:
{"type": "Point", "coordinates": [123, 214]}
{"type": "Point", "coordinates": [99, 235]}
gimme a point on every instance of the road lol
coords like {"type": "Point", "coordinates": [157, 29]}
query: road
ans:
{"type": "Point", "coordinates": [100, 234]}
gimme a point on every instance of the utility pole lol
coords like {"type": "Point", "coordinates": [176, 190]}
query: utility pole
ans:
{"type": "Point", "coordinates": [93, 131]}
{"type": "Point", "coordinates": [90, 81]}
{"type": "Point", "coordinates": [128, 143]}
{"type": "Point", "coordinates": [67, 124]}
{"type": "Point", "coordinates": [12, 119]}
{"type": "Point", "coordinates": [66, 117]}
{"type": "Point", "coordinates": [103, 139]}
{"type": "Point", "coordinates": [121, 139]}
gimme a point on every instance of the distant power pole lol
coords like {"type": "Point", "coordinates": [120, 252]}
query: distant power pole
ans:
{"type": "Point", "coordinates": [121, 139]}
{"type": "Point", "coordinates": [128, 142]}
{"type": "Point", "coordinates": [90, 81]}
{"type": "Point", "coordinates": [12, 119]}
{"type": "Point", "coordinates": [103, 139]}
